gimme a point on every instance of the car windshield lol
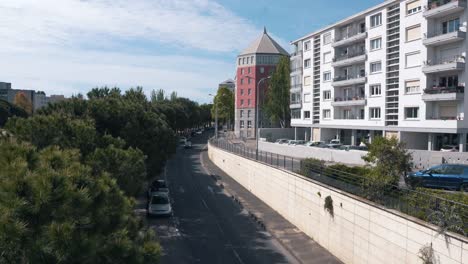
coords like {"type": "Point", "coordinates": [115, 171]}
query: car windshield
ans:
{"type": "Point", "coordinates": [159, 200]}
{"type": "Point", "coordinates": [448, 147]}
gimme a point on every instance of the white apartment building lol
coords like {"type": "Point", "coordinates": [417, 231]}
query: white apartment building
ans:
{"type": "Point", "coordinates": [396, 69]}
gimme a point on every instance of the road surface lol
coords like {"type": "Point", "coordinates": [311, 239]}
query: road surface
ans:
{"type": "Point", "coordinates": [207, 225]}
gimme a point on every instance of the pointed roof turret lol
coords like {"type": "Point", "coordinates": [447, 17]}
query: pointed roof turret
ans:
{"type": "Point", "coordinates": [265, 45]}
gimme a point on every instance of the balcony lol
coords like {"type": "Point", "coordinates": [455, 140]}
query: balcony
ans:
{"type": "Point", "coordinates": [349, 38]}
{"type": "Point", "coordinates": [350, 101]}
{"type": "Point", "coordinates": [296, 87]}
{"type": "Point", "coordinates": [349, 59]}
{"type": "Point", "coordinates": [441, 38]}
{"type": "Point", "coordinates": [349, 80]}
{"type": "Point", "coordinates": [295, 104]}
{"type": "Point", "coordinates": [456, 63]}
{"type": "Point", "coordinates": [441, 8]}
{"type": "Point", "coordinates": [296, 70]}
{"type": "Point", "coordinates": [438, 93]}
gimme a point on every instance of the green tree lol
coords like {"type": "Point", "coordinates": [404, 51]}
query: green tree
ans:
{"type": "Point", "coordinates": [158, 96]}
{"type": "Point", "coordinates": [224, 101]}
{"type": "Point", "coordinates": [277, 106]}
{"type": "Point", "coordinates": [127, 166]}
{"type": "Point", "coordinates": [53, 210]}
{"type": "Point", "coordinates": [388, 161]}
{"type": "Point", "coordinates": [8, 110]}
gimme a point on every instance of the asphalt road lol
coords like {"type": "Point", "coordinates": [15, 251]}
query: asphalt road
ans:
{"type": "Point", "coordinates": [207, 225]}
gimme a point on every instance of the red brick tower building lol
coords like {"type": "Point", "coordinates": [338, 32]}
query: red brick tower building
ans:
{"type": "Point", "coordinates": [254, 65]}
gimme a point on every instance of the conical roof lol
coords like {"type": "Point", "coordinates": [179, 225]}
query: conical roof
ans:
{"type": "Point", "coordinates": [264, 44]}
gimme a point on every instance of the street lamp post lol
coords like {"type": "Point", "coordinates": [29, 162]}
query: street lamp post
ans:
{"type": "Point", "coordinates": [257, 111]}
{"type": "Point", "coordinates": [216, 115]}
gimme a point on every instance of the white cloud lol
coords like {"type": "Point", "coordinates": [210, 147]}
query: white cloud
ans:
{"type": "Point", "coordinates": [199, 24]}
{"type": "Point", "coordinates": [45, 44]}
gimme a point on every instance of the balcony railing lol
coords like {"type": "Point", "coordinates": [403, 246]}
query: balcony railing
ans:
{"type": "Point", "coordinates": [296, 69]}
{"type": "Point", "coordinates": [296, 53]}
{"type": "Point", "coordinates": [349, 56]}
{"type": "Point", "coordinates": [350, 98]}
{"type": "Point", "coordinates": [296, 86]}
{"type": "Point", "coordinates": [437, 33]}
{"type": "Point", "coordinates": [442, 89]}
{"type": "Point", "coordinates": [348, 77]}
{"type": "Point", "coordinates": [432, 4]}
{"type": "Point", "coordinates": [446, 60]}
{"type": "Point", "coordinates": [353, 32]}
{"type": "Point", "coordinates": [352, 117]}
{"type": "Point", "coordinates": [445, 118]}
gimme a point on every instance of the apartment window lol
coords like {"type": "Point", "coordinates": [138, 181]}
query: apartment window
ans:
{"type": "Point", "coordinates": [249, 80]}
{"type": "Point", "coordinates": [242, 81]}
{"type": "Point", "coordinates": [413, 7]}
{"type": "Point", "coordinates": [248, 70]}
{"type": "Point", "coordinates": [306, 114]}
{"type": "Point", "coordinates": [374, 113]}
{"type": "Point", "coordinates": [242, 71]}
{"type": "Point", "coordinates": [346, 114]}
{"type": "Point", "coordinates": [249, 91]}
{"type": "Point", "coordinates": [375, 90]}
{"type": "Point", "coordinates": [376, 67]}
{"type": "Point", "coordinates": [327, 57]}
{"type": "Point", "coordinates": [249, 113]}
{"type": "Point", "coordinates": [306, 80]}
{"type": "Point", "coordinates": [249, 124]}
{"type": "Point", "coordinates": [243, 61]}
{"type": "Point", "coordinates": [326, 76]}
{"type": "Point", "coordinates": [413, 33]}
{"type": "Point", "coordinates": [327, 38]}
{"type": "Point", "coordinates": [241, 124]}
{"type": "Point", "coordinates": [262, 70]}
{"type": "Point", "coordinates": [248, 102]}
{"type": "Point", "coordinates": [241, 113]}
{"type": "Point", "coordinates": [326, 114]}
{"type": "Point", "coordinates": [451, 25]}
{"type": "Point", "coordinates": [411, 112]}
{"type": "Point", "coordinates": [252, 59]}
{"type": "Point", "coordinates": [376, 44]}
{"type": "Point", "coordinates": [242, 101]}
{"type": "Point", "coordinates": [247, 60]}
{"type": "Point", "coordinates": [376, 20]}
{"type": "Point", "coordinates": [307, 63]}
{"type": "Point", "coordinates": [413, 59]}
{"type": "Point", "coordinates": [448, 81]}
{"type": "Point", "coordinates": [412, 86]}
{"type": "Point", "coordinates": [240, 60]}
{"type": "Point", "coordinates": [242, 91]}
{"type": "Point", "coordinates": [296, 113]}
{"type": "Point", "coordinates": [307, 45]}
{"type": "Point", "coordinates": [326, 95]}
{"type": "Point", "coordinates": [307, 98]}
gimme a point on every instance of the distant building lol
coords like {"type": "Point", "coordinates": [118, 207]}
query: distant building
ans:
{"type": "Point", "coordinates": [254, 64]}
{"type": "Point", "coordinates": [229, 83]}
{"type": "Point", "coordinates": [38, 99]}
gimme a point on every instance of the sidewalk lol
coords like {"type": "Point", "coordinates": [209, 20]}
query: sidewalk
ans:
{"type": "Point", "coordinates": [302, 247]}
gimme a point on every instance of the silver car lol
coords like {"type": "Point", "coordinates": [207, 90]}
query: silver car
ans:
{"type": "Point", "coordinates": [159, 205]}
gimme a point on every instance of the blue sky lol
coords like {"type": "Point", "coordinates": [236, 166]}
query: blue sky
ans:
{"type": "Point", "coordinates": [70, 46]}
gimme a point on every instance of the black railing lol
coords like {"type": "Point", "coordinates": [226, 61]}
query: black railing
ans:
{"type": "Point", "coordinates": [432, 4]}
{"type": "Point", "coordinates": [416, 203]}
{"type": "Point", "coordinates": [348, 56]}
{"type": "Point", "coordinates": [442, 89]}
{"type": "Point", "coordinates": [348, 77]}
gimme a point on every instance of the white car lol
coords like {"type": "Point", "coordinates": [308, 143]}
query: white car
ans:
{"type": "Point", "coordinates": [159, 205]}
{"type": "Point", "coordinates": [449, 148]}
{"type": "Point", "coordinates": [315, 143]}
{"type": "Point", "coordinates": [335, 143]}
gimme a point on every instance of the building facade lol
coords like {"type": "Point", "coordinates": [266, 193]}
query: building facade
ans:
{"type": "Point", "coordinates": [38, 99]}
{"type": "Point", "coordinates": [396, 69]}
{"type": "Point", "coordinates": [254, 65]}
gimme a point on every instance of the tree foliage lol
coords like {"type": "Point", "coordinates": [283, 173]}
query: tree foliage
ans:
{"type": "Point", "coordinates": [224, 101]}
{"type": "Point", "coordinates": [277, 104]}
{"type": "Point", "coordinates": [54, 210]}
{"type": "Point", "coordinates": [8, 110]}
{"type": "Point", "coordinates": [389, 161]}
{"type": "Point", "coordinates": [23, 102]}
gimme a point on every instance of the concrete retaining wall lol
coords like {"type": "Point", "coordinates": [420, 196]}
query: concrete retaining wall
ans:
{"type": "Point", "coordinates": [359, 232]}
{"type": "Point", "coordinates": [422, 159]}
{"type": "Point", "coordinates": [352, 157]}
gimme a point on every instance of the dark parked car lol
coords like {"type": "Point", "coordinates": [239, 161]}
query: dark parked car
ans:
{"type": "Point", "coordinates": [445, 176]}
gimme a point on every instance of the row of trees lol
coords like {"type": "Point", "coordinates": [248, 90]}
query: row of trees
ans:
{"type": "Point", "coordinates": [70, 172]}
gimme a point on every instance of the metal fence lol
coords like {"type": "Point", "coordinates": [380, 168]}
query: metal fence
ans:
{"type": "Point", "coordinates": [437, 207]}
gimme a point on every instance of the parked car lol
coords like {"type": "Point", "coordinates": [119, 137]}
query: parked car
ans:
{"type": "Point", "coordinates": [282, 141]}
{"type": "Point", "coordinates": [449, 148]}
{"type": "Point", "coordinates": [188, 144]}
{"type": "Point", "coordinates": [348, 147]}
{"type": "Point", "coordinates": [335, 143]}
{"type": "Point", "coordinates": [296, 142]}
{"type": "Point", "coordinates": [158, 187]}
{"type": "Point", "coordinates": [314, 143]}
{"type": "Point", "coordinates": [159, 205]}
{"type": "Point", "coordinates": [199, 132]}
{"type": "Point", "coordinates": [182, 140]}
{"type": "Point", "coordinates": [445, 176]}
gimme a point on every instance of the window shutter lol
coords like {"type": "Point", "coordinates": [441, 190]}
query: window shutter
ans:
{"type": "Point", "coordinates": [413, 5]}
{"type": "Point", "coordinates": [413, 33]}
{"type": "Point", "coordinates": [412, 83]}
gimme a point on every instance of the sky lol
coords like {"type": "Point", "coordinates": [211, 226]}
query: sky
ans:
{"type": "Point", "coordinates": [187, 46]}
